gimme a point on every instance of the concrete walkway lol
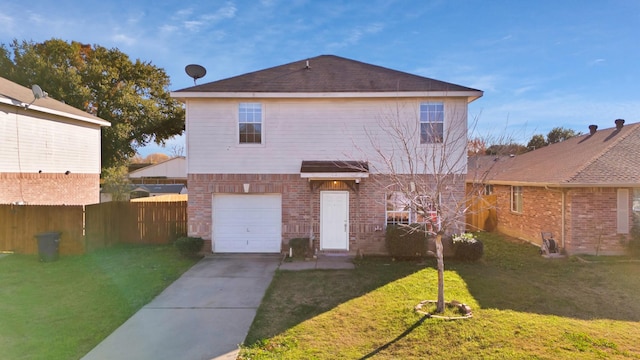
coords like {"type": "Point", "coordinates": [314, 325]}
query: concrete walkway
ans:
{"type": "Point", "coordinates": [204, 314]}
{"type": "Point", "coordinates": [323, 261]}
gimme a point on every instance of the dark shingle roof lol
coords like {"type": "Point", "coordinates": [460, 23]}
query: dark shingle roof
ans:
{"type": "Point", "coordinates": [607, 158]}
{"type": "Point", "coordinates": [327, 73]}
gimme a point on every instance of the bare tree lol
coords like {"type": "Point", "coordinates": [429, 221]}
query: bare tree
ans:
{"type": "Point", "coordinates": [177, 150]}
{"type": "Point", "coordinates": [421, 157]}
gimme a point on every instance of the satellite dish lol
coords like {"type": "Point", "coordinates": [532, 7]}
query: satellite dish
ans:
{"type": "Point", "coordinates": [37, 92]}
{"type": "Point", "coordinates": [195, 71]}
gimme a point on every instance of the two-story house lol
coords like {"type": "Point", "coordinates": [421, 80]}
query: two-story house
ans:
{"type": "Point", "coordinates": [49, 151]}
{"type": "Point", "coordinates": [294, 151]}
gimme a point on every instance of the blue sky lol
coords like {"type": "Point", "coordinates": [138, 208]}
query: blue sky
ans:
{"type": "Point", "coordinates": [541, 64]}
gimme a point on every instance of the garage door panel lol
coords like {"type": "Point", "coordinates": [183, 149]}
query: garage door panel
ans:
{"type": "Point", "coordinates": [247, 223]}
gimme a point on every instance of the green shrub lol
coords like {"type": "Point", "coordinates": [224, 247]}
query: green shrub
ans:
{"type": "Point", "coordinates": [467, 248]}
{"type": "Point", "coordinates": [406, 241]}
{"type": "Point", "coordinates": [300, 247]}
{"type": "Point", "coordinates": [189, 246]}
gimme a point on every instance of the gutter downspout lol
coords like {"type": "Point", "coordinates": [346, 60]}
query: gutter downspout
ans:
{"type": "Point", "coordinates": [562, 222]}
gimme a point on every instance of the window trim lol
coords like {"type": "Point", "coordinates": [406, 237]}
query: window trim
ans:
{"type": "Point", "coordinates": [413, 215]}
{"type": "Point", "coordinates": [439, 138]}
{"type": "Point", "coordinates": [622, 211]}
{"type": "Point", "coordinates": [262, 127]}
{"type": "Point", "coordinates": [517, 199]}
{"type": "Point", "coordinates": [389, 200]}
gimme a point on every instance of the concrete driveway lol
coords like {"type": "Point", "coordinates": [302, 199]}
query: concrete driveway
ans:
{"type": "Point", "coordinates": [205, 314]}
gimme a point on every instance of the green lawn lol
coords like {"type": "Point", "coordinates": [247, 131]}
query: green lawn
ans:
{"type": "Point", "coordinates": [62, 309]}
{"type": "Point", "coordinates": [524, 306]}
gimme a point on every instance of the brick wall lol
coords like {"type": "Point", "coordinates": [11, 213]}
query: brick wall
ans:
{"type": "Point", "coordinates": [541, 211]}
{"type": "Point", "coordinates": [300, 206]}
{"type": "Point", "coordinates": [590, 218]}
{"type": "Point", "coordinates": [593, 222]}
{"type": "Point", "coordinates": [49, 189]}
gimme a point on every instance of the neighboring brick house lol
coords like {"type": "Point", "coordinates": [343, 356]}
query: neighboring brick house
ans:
{"type": "Point", "coordinates": [49, 151]}
{"type": "Point", "coordinates": [287, 152]}
{"type": "Point", "coordinates": [585, 190]}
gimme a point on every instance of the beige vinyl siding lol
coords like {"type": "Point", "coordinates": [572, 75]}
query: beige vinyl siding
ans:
{"type": "Point", "coordinates": [172, 168]}
{"type": "Point", "coordinates": [304, 129]}
{"type": "Point", "coordinates": [32, 144]}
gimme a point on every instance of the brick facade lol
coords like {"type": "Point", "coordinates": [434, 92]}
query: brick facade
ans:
{"type": "Point", "coordinates": [590, 218]}
{"type": "Point", "coordinates": [49, 189]}
{"type": "Point", "coordinates": [300, 205]}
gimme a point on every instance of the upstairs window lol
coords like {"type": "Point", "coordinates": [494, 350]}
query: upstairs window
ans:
{"type": "Point", "coordinates": [516, 199]}
{"type": "Point", "coordinates": [431, 123]}
{"type": "Point", "coordinates": [250, 123]}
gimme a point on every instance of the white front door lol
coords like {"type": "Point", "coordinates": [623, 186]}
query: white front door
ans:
{"type": "Point", "coordinates": [334, 220]}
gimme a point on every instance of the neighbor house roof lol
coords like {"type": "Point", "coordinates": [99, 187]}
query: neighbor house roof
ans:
{"type": "Point", "coordinates": [328, 74]}
{"type": "Point", "coordinates": [17, 95]}
{"type": "Point", "coordinates": [159, 188]}
{"type": "Point", "coordinates": [175, 167]}
{"type": "Point", "coordinates": [607, 157]}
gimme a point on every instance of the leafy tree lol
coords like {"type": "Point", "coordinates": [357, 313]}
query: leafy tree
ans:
{"type": "Point", "coordinates": [506, 149]}
{"type": "Point", "coordinates": [537, 141]}
{"type": "Point", "coordinates": [132, 95]}
{"type": "Point", "coordinates": [116, 182]}
{"type": "Point", "coordinates": [558, 134]}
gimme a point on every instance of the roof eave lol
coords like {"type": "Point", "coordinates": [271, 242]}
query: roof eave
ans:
{"type": "Point", "coordinates": [553, 184]}
{"type": "Point", "coordinates": [470, 95]}
{"type": "Point", "coordinates": [25, 106]}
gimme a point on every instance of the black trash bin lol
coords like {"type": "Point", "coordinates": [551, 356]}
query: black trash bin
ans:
{"type": "Point", "coordinates": [48, 245]}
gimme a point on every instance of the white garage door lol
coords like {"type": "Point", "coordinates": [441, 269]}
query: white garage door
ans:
{"type": "Point", "coordinates": [247, 223]}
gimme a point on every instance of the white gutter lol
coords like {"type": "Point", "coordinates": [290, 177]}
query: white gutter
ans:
{"type": "Point", "coordinates": [555, 185]}
{"type": "Point", "coordinates": [33, 107]}
{"type": "Point", "coordinates": [471, 95]}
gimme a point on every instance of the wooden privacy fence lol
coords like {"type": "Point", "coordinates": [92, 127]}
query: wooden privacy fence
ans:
{"type": "Point", "coordinates": [85, 228]}
{"type": "Point", "coordinates": [481, 213]}
{"type": "Point", "coordinates": [19, 224]}
{"type": "Point", "coordinates": [135, 223]}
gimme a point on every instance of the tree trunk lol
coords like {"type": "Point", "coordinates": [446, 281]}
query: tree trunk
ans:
{"type": "Point", "coordinates": [440, 258]}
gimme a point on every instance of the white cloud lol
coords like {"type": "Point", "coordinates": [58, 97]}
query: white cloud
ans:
{"type": "Point", "coordinates": [354, 35]}
{"type": "Point", "coordinates": [597, 62]}
{"type": "Point", "coordinates": [192, 25]}
{"type": "Point", "coordinates": [36, 18]}
{"type": "Point", "coordinates": [7, 23]}
{"type": "Point", "coordinates": [523, 89]}
{"type": "Point", "coordinates": [134, 19]}
{"type": "Point", "coordinates": [226, 12]}
{"type": "Point", "coordinates": [184, 12]}
{"type": "Point", "coordinates": [168, 29]}
{"type": "Point", "coordinates": [123, 39]}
